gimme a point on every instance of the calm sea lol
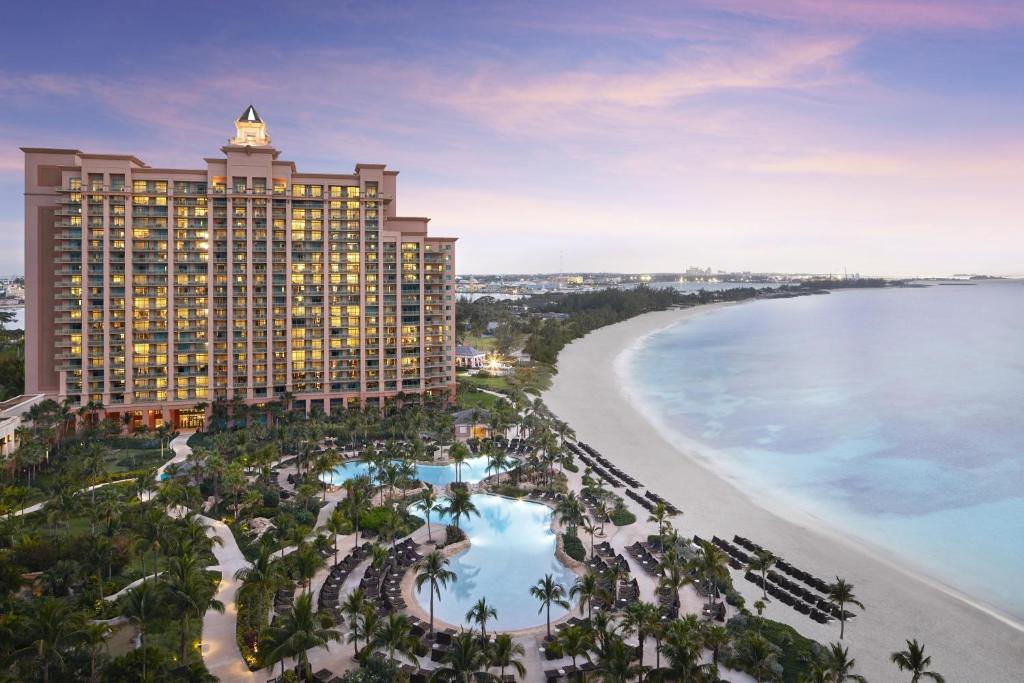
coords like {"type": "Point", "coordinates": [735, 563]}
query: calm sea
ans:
{"type": "Point", "coordinates": [896, 415]}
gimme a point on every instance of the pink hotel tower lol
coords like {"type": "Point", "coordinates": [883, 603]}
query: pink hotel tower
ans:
{"type": "Point", "coordinates": [161, 292]}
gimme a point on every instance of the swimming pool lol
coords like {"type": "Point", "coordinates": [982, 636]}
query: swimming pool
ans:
{"type": "Point", "coordinates": [511, 548]}
{"type": "Point", "coordinates": [473, 470]}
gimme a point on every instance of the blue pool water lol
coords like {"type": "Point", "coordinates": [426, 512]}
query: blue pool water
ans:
{"type": "Point", "coordinates": [893, 414]}
{"type": "Point", "coordinates": [473, 470]}
{"type": "Point", "coordinates": [511, 548]}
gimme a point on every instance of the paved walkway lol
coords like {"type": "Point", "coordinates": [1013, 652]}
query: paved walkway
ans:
{"type": "Point", "coordinates": [219, 645]}
{"type": "Point", "coordinates": [39, 506]}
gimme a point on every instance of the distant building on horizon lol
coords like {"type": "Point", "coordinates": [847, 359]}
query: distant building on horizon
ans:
{"type": "Point", "coordinates": [161, 292]}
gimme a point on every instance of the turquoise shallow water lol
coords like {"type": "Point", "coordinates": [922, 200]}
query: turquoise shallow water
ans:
{"type": "Point", "coordinates": [473, 470]}
{"type": "Point", "coordinates": [893, 414]}
{"type": "Point", "coordinates": [511, 548]}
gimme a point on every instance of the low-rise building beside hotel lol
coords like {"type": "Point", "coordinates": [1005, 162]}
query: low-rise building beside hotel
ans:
{"type": "Point", "coordinates": [469, 357]}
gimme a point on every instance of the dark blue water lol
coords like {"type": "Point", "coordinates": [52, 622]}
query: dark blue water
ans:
{"type": "Point", "coordinates": [897, 415]}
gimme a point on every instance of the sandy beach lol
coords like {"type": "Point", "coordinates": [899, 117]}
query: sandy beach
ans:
{"type": "Point", "coordinates": [966, 642]}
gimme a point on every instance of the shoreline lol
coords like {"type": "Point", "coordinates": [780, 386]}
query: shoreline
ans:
{"type": "Point", "coordinates": [968, 640]}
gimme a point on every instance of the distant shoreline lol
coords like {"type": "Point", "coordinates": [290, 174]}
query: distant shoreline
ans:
{"type": "Point", "coordinates": [587, 392]}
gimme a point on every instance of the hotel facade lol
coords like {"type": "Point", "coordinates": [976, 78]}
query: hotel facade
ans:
{"type": "Point", "coordinates": [160, 293]}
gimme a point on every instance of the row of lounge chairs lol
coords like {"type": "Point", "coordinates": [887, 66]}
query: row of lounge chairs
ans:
{"type": "Point", "coordinates": [652, 496]}
{"type": "Point", "coordinates": [814, 582]}
{"type": "Point", "coordinates": [605, 462]}
{"type": "Point", "coordinates": [328, 600]}
{"type": "Point", "coordinates": [737, 558]}
{"type": "Point", "coordinates": [644, 557]}
{"type": "Point", "coordinates": [591, 502]}
{"type": "Point", "coordinates": [569, 673]}
{"type": "Point", "coordinates": [818, 610]}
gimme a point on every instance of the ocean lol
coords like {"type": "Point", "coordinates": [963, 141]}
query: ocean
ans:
{"type": "Point", "coordinates": [894, 415]}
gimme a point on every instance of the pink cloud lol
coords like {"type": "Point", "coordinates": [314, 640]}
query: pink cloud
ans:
{"type": "Point", "coordinates": [976, 14]}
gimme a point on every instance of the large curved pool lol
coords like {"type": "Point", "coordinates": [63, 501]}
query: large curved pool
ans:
{"type": "Point", "coordinates": [473, 470]}
{"type": "Point", "coordinates": [511, 548]}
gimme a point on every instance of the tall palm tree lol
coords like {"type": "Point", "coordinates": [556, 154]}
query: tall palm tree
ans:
{"type": "Point", "coordinates": [616, 662]}
{"type": "Point", "coordinates": [459, 504]}
{"type": "Point", "coordinates": [575, 641]}
{"type": "Point", "coordinates": [307, 561]}
{"type": "Point", "coordinates": [587, 588]}
{"type": "Point", "coordinates": [427, 504]}
{"type": "Point", "coordinates": [761, 562]}
{"type": "Point", "coordinates": [548, 592]}
{"type": "Point", "coordinates": [352, 607]}
{"type": "Point", "coordinates": [683, 645]}
{"type": "Point", "coordinates": [758, 657]}
{"type": "Point", "coordinates": [395, 635]}
{"type": "Point", "coordinates": [716, 638]}
{"type": "Point", "coordinates": [49, 631]}
{"type": "Point", "coordinates": [337, 525]}
{"type": "Point", "coordinates": [504, 652]}
{"type": "Point", "coordinates": [841, 594]}
{"type": "Point", "coordinates": [465, 661]}
{"type": "Point", "coordinates": [433, 570]}
{"type": "Point", "coordinates": [839, 665]}
{"type": "Point", "coordinates": [357, 501]}
{"type": "Point", "coordinates": [480, 613]}
{"type": "Point", "coordinates": [712, 565]}
{"type": "Point", "coordinates": [570, 511]}
{"type": "Point", "coordinates": [260, 580]}
{"type": "Point", "coordinates": [140, 605]}
{"type": "Point", "coordinates": [190, 590]}
{"type": "Point", "coordinates": [92, 635]}
{"type": "Point", "coordinates": [659, 515]}
{"type": "Point", "coordinates": [458, 453]}
{"type": "Point", "coordinates": [591, 529]}
{"type": "Point", "coordinates": [300, 629]}
{"type": "Point", "coordinates": [643, 619]}
{"type": "Point", "coordinates": [913, 660]}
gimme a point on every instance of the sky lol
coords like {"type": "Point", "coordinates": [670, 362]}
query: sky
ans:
{"type": "Point", "coordinates": [882, 137]}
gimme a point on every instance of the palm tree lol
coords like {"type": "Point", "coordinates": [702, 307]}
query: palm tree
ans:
{"type": "Point", "coordinates": [644, 619]}
{"type": "Point", "coordinates": [711, 564]}
{"type": "Point", "coordinates": [841, 594]}
{"type": "Point", "coordinates": [683, 645]}
{"type": "Point", "coordinates": [337, 525]}
{"type": "Point", "coordinates": [352, 607]}
{"type": "Point", "coordinates": [716, 638]}
{"type": "Point", "coordinates": [428, 504]}
{"type": "Point", "coordinates": [479, 614]}
{"type": "Point", "coordinates": [356, 502]}
{"type": "Point", "coordinates": [587, 588]}
{"type": "Point", "coordinates": [260, 580]}
{"type": "Point", "coordinates": [190, 591]}
{"type": "Point", "coordinates": [616, 662]}
{"type": "Point", "coordinates": [93, 636]}
{"type": "Point", "coordinates": [459, 504]}
{"type": "Point", "coordinates": [395, 635]}
{"type": "Point", "coordinates": [505, 652]}
{"type": "Point", "coordinates": [591, 528]}
{"type": "Point", "coordinates": [49, 631]}
{"type": "Point", "coordinates": [761, 562]}
{"type": "Point", "coordinates": [575, 641]}
{"type": "Point", "coordinates": [465, 661]}
{"type": "Point", "coordinates": [458, 453]}
{"type": "Point", "coordinates": [659, 515]}
{"type": "Point", "coordinates": [570, 512]}
{"type": "Point", "coordinates": [433, 570]}
{"type": "Point", "coordinates": [913, 660]}
{"type": "Point", "coordinates": [549, 591]}
{"type": "Point", "coordinates": [301, 628]}
{"type": "Point", "coordinates": [307, 561]}
{"type": "Point", "coordinates": [758, 657]}
{"type": "Point", "coordinates": [139, 605]}
{"type": "Point", "coordinates": [839, 665]}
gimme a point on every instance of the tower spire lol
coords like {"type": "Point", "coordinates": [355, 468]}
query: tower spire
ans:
{"type": "Point", "coordinates": [250, 129]}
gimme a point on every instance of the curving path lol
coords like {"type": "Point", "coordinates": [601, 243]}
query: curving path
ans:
{"type": "Point", "coordinates": [219, 646]}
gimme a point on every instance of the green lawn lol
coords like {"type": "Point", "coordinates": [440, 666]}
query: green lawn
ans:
{"type": "Point", "coordinates": [493, 383]}
{"type": "Point", "coordinates": [484, 344]}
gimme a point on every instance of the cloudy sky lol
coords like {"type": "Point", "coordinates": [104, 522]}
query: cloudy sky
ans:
{"type": "Point", "coordinates": [788, 135]}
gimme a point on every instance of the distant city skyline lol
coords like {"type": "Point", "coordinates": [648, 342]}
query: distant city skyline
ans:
{"type": "Point", "coordinates": [758, 135]}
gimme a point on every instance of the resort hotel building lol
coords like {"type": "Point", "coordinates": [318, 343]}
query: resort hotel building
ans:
{"type": "Point", "coordinates": [159, 293]}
